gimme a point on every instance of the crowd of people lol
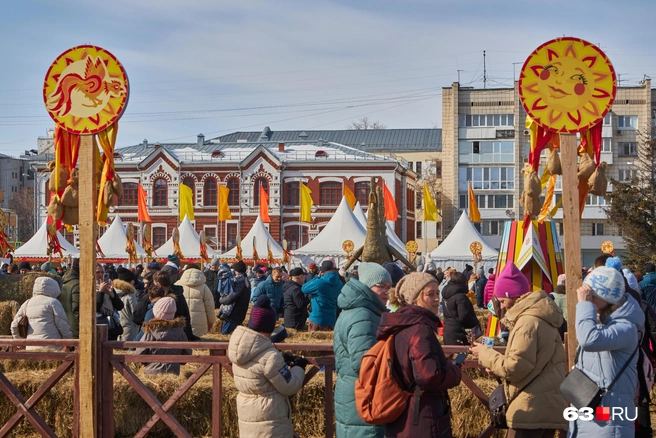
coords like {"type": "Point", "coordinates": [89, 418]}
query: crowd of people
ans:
{"type": "Point", "coordinates": [615, 328]}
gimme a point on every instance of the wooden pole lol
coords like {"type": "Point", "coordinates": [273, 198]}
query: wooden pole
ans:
{"type": "Point", "coordinates": [88, 373]}
{"type": "Point", "coordinates": [571, 234]}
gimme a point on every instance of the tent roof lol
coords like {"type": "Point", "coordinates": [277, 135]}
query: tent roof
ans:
{"type": "Point", "coordinates": [456, 246]}
{"type": "Point", "coordinates": [189, 242]}
{"type": "Point", "coordinates": [342, 226]}
{"type": "Point", "coordinates": [113, 242]}
{"type": "Point", "coordinates": [262, 236]}
{"type": "Point", "coordinates": [392, 238]}
{"type": "Point", "coordinates": [37, 246]}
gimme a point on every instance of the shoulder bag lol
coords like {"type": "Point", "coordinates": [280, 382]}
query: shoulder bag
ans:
{"type": "Point", "coordinates": [581, 391]}
{"type": "Point", "coordinates": [499, 406]}
{"type": "Point", "coordinates": [24, 323]}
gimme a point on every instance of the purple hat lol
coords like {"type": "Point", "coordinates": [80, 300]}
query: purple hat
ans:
{"type": "Point", "coordinates": [511, 283]}
{"type": "Point", "coordinates": [263, 317]}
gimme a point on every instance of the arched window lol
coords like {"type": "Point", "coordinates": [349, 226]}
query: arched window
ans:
{"type": "Point", "coordinates": [130, 194]}
{"type": "Point", "coordinates": [209, 189]}
{"type": "Point", "coordinates": [362, 190]}
{"type": "Point", "coordinates": [160, 193]}
{"type": "Point", "coordinates": [189, 182]}
{"type": "Point", "coordinates": [256, 189]}
{"type": "Point", "coordinates": [331, 193]}
{"type": "Point", "coordinates": [233, 196]}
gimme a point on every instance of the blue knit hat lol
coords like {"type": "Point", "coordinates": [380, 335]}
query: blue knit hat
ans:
{"type": "Point", "coordinates": [153, 266]}
{"type": "Point", "coordinates": [396, 273]}
{"type": "Point", "coordinates": [606, 283]}
{"type": "Point", "coordinates": [372, 273]}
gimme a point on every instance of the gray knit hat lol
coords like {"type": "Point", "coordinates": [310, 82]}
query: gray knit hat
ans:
{"type": "Point", "coordinates": [373, 273]}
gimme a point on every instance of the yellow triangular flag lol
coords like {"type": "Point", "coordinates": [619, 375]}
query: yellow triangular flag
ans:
{"type": "Point", "coordinates": [306, 204]}
{"type": "Point", "coordinates": [430, 209]}
{"type": "Point", "coordinates": [186, 202]}
{"type": "Point", "coordinates": [350, 197]}
{"type": "Point", "coordinates": [224, 208]}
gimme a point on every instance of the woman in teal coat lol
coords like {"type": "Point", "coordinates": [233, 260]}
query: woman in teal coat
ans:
{"type": "Point", "coordinates": [362, 302]}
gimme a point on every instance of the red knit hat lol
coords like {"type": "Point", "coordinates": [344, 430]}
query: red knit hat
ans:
{"type": "Point", "coordinates": [263, 317]}
{"type": "Point", "coordinates": [511, 283]}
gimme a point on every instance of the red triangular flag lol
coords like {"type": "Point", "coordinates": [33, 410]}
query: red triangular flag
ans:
{"type": "Point", "coordinates": [264, 205]}
{"type": "Point", "coordinates": [143, 215]}
{"type": "Point", "coordinates": [391, 212]}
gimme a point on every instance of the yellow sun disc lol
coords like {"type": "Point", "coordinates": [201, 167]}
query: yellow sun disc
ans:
{"type": "Point", "coordinates": [85, 90]}
{"type": "Point", "coordinates": [567, 85]}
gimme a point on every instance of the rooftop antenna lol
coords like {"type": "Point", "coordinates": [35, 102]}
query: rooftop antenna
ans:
{"type": "Point", "coordinates": [459, 76]}
{"type": "Point", "coordinates": [514, 64]}
{"type": "Point", "coordinates": [484, 72]}
{"type": "Point", "coordinates": [619, 78]}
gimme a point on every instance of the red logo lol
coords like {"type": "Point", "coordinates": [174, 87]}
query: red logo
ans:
{"type": "Point", "coordinates": [602, 413]}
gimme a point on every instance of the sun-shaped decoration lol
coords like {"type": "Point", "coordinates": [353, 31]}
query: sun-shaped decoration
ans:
{"type": "Point", "coordinates": [85, 90]}
{"type": "Point", "coordinates": [567, 85]}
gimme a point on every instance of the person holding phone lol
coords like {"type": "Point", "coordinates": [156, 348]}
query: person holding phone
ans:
{"type": "Point", "coordinates": [108, 303]}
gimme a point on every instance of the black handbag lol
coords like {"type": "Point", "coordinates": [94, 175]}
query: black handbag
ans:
{"type": "Point", "coordinates": [583, 392]}
{"type": "Point", "coordinates": [499, 406]}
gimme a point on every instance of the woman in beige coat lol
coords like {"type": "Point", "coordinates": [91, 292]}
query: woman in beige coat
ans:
{"type": "Point", "coordinates": [199, 299]}
{"type": "Point", "coordinates": [262, 377]}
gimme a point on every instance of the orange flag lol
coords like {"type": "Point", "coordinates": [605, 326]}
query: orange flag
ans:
{"type": "Point", "coordinates": [350, 197]}
{"type": "Point", "coordinates": [264, 205]}
{"type": "Point", "coordinates": [391, 212]}
{"type": "Point", "coordinates": [143, 215]}
{"type": "Point", "coordinates": [474, 213]}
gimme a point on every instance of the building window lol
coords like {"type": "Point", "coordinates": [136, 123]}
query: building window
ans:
{"type": "Point", "coordinates": [626, 175]}
{"type": "Point", "coordinates": [264, 183]}
{"type": "Point", "coordinates": [486, 151]}
{"type": "Point", "coordinates": [419, 230]}
{"type": "Point", "coordinates": [233, 196]}
{"type": "Point", "coordinates": [627, 149]}
{"type": "Point", "coordinates": [159, 236]}
{"type": "Point", "coordinates": [160, 193]}
{"type": "Point", "coordinates": [293, 237]}
{"type": "Point", "coordinates": [608, 119]}
{"type": "Point", "coordinates": [189, 182]}
{"type": "Point", "coordinates": [331, 193]}
{"type": "Point", "coordinates": [493, 228]}
{"type": "Point", "coordinates": [486, 178]}
{"type": "Point", "coordinates": [595, 200]}
{"type": "Point", "coordinates": [210, 234]}
{"type": "Point", "coordinates": [292, 193]}
{"type": "Point", "coordinates": [209, 192]}
{"type": "Point", "coordinates": [467, 120]}
{"type": "Point", "coordinates": [487, 201]}
{"type": "Point", "coordinates": [231, 235]}
{"type": "Point", "coordinates": [418, 168]}
{"type": "Point", "coordinates": [627, 122]}
{"type": "Point", "coordinates": [597, 229]}
{"type": "Point", "coordinates": [606, 145]}
{"type": "Point", "coordinates": [130, 194]}
{"type": "Point", "coordinates": [560, 228]}
{"type": "Point", "coordinates": [362, 190]}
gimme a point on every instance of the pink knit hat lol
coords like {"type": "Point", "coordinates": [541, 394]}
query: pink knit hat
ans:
{"type": "Point", "coordinates": [510, 283]}
{"type": "Point", "coordinates": [165, 308]}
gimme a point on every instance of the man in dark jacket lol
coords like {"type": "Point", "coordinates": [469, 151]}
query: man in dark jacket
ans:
{"type": "Point", "coordinates": [459, 313]}
{"type": "Point", "coordinates": [212, 280]}
{"type": "Point", "coordinates": [479, 288]}
{"type": "Point", "coordinates": [70, 297]}
{"type": "Point", "coordinates": [648, 285]}
{"type": "Point", "coordinates": [163, 279]}
{"type": "Point", "coordinates": [296, 302]}
{"type": "Point", "coordinates": [172, 266]}
{"type": "Point", "coordinates": [239, 297]}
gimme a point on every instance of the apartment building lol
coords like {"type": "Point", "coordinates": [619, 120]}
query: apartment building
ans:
{"type": "Point", "coordinates": [484, 141]}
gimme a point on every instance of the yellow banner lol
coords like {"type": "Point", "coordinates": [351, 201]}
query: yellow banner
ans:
{"type": "Point", "coordinates": [306, 203]}
{"type": "Point", "coordinates": [186, 203]}
{"type": "Point", "coordinates": [224, 208]}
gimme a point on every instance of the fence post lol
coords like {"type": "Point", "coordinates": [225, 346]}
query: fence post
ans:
{"type": "Point", "coordinates": [101, 361]}
{"type": "Point", "coordinates": [76, 393]}
{"type": "Point", "coordinates": [329, 400]}
{"type": "Point", "coordinates": [217, 394]}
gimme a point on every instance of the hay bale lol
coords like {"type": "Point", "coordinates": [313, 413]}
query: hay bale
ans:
{"type": "Point", "coordinates": [8, 310]}
{"type": "Point", "coordinates": [469, 417]}
{"type": "Point", "coordinates": [19, 287]}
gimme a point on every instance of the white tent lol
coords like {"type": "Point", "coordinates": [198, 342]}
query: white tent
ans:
{"type": "Point", "coordinates": [342, 226]}
{"type": "Point", "coordinates": [114, 241]}
{"type": "Point", "coordinates": [37, 246]}
{"type": "Point", "coordinates": [454, 251]}
{"type": "Point", "coordinates": [392, 238]}
{"type": "Point", "coordinates": [189, 242]}
{"type": "Point", "coordinates": [262, 236]}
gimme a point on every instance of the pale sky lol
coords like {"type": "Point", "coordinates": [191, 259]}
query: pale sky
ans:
{"type": "Point", "coordinates": [216, 67]}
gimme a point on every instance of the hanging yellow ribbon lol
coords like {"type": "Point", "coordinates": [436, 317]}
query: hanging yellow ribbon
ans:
{"type": "Point", "coordinates": [107, 139]}
{"type": "Point", "coordinates": [532, 126]}
{"type": "Point", "coordinates": [548, 198]}
{"type": "Point", "coordinates": [553, 212]}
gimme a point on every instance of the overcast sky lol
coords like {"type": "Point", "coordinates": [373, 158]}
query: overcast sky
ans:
{"type": "Point", "coordinates": [215, 67]}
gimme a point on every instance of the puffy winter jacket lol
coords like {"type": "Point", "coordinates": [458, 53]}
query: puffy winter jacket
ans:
{"type": "Point", "coordinates": [165, 331]}
{"type": "Point", "coordinates": [127, 293]}
{"type": "Point", "coordinates": [648, 288]}
{"type": "Point", "coordinates": [604, 350]}
{"type": "Point", "coordinates": [296, 304]}
{"type": "Point", "coordinates": [199, 299]}
{"type": "Point", "coordinates": [70, 300]}
{"type": "Point", "coordinates": [264, 383]}
{"type": "Point", "coordinates": [323, 293]}
{"type": "Point", "coordinates": [239, 298]}
{"type": "Point", "coordinates": [271, 289]}
{"type": "Point", "coordinates": [534, 349]}
{"type": "Point", "coordinates": [355, 334]}
{"type": "Point", "coordinates": [46, 316]}
{"type": "Point", "coordinates": [489, 288]}
{"type": "Point", "coordinates": [212, 283]}
{"type": "Point", "coordinates": [420, 359]}
{"type": "Point", "coordinates": [458, 314]}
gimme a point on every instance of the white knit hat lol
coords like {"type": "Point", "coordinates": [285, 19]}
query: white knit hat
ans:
{"type": "Point", "coordinates": [606, 283]}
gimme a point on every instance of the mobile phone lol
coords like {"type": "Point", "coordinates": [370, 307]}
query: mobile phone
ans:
{"type": "Point", "coordinates": [460, 358]}
{"type": "Point", "coordinates": [106, 277]}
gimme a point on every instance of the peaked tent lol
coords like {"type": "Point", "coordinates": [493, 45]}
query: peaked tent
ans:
{"type": "Point", "coordinates": [37, 246]}
{"type": "Point", "coordinates": [454, 251]}
{"type": "Point", "coordinates": [392, 238]}
{"type": "Point", "coordinates": [342, 226]}
{"type": "Point", "coordinates": [262, 236]}
{"type": "Point", "coordinates": [189, 242]}
{"type": "Point", "coordinates": [114, 241]}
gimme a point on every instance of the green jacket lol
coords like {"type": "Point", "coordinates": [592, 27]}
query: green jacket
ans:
{"type": "Point", "coordinates": [70, 299]}
{"type": "Point", "coordinates": [355, 334]}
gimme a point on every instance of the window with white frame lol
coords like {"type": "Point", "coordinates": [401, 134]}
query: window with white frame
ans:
{"type": "Point", "coordinates": [595, 200]}
{"type": "Point", "coordinates": [627, 122]}
{"type": "Point", "coordinates": [608, 119]}
{"type": "Point", "coordinates": [606, 145]}
{"type": "Point", "coordinates": [486, 151]}
{"type": "Point", "coordinates": [487, 178]}
{"type": "Point", "coordinates": [626, 175]}
{"type": "Point", "coordinates": [487, 201]}
{"type": "Point", "coordinates": [489, 120]}
{"type": "Point", "coordinates": [493, 227]}
{"type": "Point", "coordinates": [597, 229]}
{"type": "Point", "coordinates": [627, 149]}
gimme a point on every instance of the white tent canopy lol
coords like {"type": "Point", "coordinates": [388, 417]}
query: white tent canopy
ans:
{"type": "Point", "coordinates": [189, 242]}
{"type": "Point", "coordinates": [114, 241]}
{"type": "Point", "coordinates": [454, 251]}
{"type": "Point", "coordinates": [392, 238]}
{"type": "Point", "coordinates": [342, 226]}
{"type": "Point", "coordinates": [262, 236]}
{"type": "Point", "coordinates": [37, 246]}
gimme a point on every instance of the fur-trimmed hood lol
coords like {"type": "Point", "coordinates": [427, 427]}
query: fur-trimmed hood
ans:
{"type": "Point", "coordinates": [123, 286]}
{"type": "Point", "coordinates": [162, 324]}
